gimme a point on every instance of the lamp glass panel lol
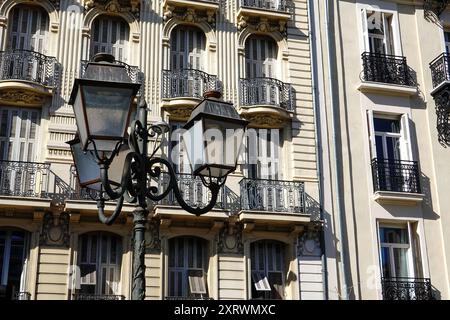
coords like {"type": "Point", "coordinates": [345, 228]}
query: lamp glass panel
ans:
{"type": "Point", "coordinates": [87, 167]}
{"type": "Point", "coordinates": [107, 110]}
{"type": "Point", "coordinates": [194, 146]}
{"type": "Point", "coordinates": [116, 168]}
{"type": "Point", "coordinates": [80, 118]}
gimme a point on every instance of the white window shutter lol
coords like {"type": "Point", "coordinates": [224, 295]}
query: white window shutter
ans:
{"type": "Point", "coordinates": [405, 142]}
{"type": "Point", "coordinates": [372, 143]}
{"type": "Point", "coordinates": [197, 282]}
{"type": "Point", "coordinates": [365, 30]}
{"type": "Point", "coordinates": [260, 280]}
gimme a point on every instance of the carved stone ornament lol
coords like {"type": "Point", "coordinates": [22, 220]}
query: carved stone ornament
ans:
{"type": "Point", "coordinates": [152, 239]}
{"type": "Point", "coordinates": [115, 6]}
{"type": "Point", "coordinates": [190, 15]}
{"type": "Point", "coordinates": [179, 113]}
{"type": "Point", "coordinates": [309, 242]}
{"type": "Point", "coordinates": [55, 230]}
{"type": "Point", "coordinates": [22, 97]}
{"type": "Point", "coordinates": [265, 120]}
{"type": "Point", "coordinates": [262, 24]}
{"type": "Point", "coordinates": [230, 239]}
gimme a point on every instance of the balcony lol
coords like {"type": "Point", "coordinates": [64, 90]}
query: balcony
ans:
{"type": "Point", "coordinates": [27, 78]}
{"type": "Point", "coordinates": [87, 296]}
{"type": "Point", "coordinates": [183, 89]}
{"type": "Point", "coordinates": [271, 13]}
{"type": "Point", "coordinates": [30, 184]}
{"type": "Point", "coordinates": [396, 181]}
{"type": "Point", "coordinates": [136, 75]}
{"type": "Point", "coordinates": [386, 74]}
{"type": "Point", "coordinates": [406, 289]}
{"type": "Point", "coordinates": [266, 102]}
{"type": "Point", "coordinates": [261, 199]}
{"type": "Point", "coordinates": [440, 72]}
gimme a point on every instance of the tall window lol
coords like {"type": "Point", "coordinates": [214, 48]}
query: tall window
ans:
{"type": "Point", "coordinates": [110, 35]}
{"type": "Point", "coordinates": [394, 250]}
{"type": "Point", "coordinates": [263, 153]}
{"type": "Point", "coordinates": [378, 32]}
{"type": "Point", "coordinates": [29, 28]}
{"type": "Point", "coordinates": [388, 138]}
{"type": "Point", "coordinates": [187, 49]}
{"type": "Point", "coordinates": [187, 267]}
{"type": "Point", "coordinates": [447, 41]}
{"type": "Point", "coordinates": [13, 261]}
{"type": "Point", "coordinates": [176, 149]}
{"type": "Point", "coordinates": [100, 260]}
{"type": "Point", "coordinates": [268, 269]}
{"type": "Point", "coordinates": [261, 57]}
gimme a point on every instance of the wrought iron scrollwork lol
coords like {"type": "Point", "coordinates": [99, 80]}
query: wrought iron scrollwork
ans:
{"type": "Point", "coordinates": [29, 65]}
{"type": "Point", "coordinates": [406, 289]}
{"type": "Point", "coordinates": [188, 83]}
{"type": "Point", "coordinates": [396, 175]}
{"type": "Point", "coordinates": [266, 91]}
{"type": "Point", "coordinates": [386, 69]}
{"type": "Point", "coordinates": [442, 101]}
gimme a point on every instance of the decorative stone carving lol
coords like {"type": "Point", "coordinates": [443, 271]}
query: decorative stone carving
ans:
{"type": "Point", "coordinates": [230, 238]}
{"type": "Point", "coordinates": [262, 24]}
{"type": "Point", "coordinates": [179, 113]}
{"type": "Point", "coordinates": [21, 97]}
{"type": "Point", "coordinates": [189, 15]}
{"type": "Point", "coordinates": [153, 241]}
{"type": "Point", "coordinates": [55, 230]}
{"type": "Point", "coordinates": [309, 242]}
{"type": "Point", "coordinates": [264, 120]}
{"type": "Point", "coordinates": [115, 6]}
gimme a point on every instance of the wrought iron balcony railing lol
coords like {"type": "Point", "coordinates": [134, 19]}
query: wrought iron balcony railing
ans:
{"type": "Point", "coordinates": [386, 69]}
{"type": "Point", "coordinates": [396, 176]}
{"type": "Point", "coordinates": [406, 289]}
{"type": "Point", "coordinates": [273, 195]}
{"type": "Point", "coordinates": [266, 91]}
{"type": "Point", "coordinates": [196, 194]}
{"type": "Point", "coordinates": [188, 83]}
{"type": "Point", "coordinates": [136, 75]}
{"type": "Point", "coordinates": [87, 296]}
{"type": "Point", "coordinates": [273, 5]}
{"type": "Point", "coordinates": [22, 296]}
{"type": "Point", "coordinates": [440, 69]}
{"type": "Point", "coordinates": [31, 179]}
{"type": "Point", "coordinates": [29, 66]}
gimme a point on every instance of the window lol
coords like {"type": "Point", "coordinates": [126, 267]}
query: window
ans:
{"type": "Point", "coordinates": [378, 32]}
{"type": "Point", "coordinates": [179, 157]}
{"type": "Point", "coordinates": [187, 267]}
{"type": "Point", "coordinates": [13, 261]}
{"type": "Point", "coordinates": [29, 28]}
{"type": "Point", "coordinates": [394, 242]}
{"type": "Point", "coordinates": [447, 41]}
{"type": "Point", "coordinates": [261, 57]}
{"type": "Point", "coordinates": [99, 259]}
{"type": "Point", "coordinates": [267, 269]}
{"type": "Point", "coordinates": [110, 35]}
{"type": "Point", "coordinates": [390, 136]}
{"type": "Point", "coordinates": [187, 48]}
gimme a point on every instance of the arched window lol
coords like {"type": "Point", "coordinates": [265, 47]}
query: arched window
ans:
{"type": "Point", "coordinates": [187, 267]}
{"type": "Point", "coordinates": [187, 49]}
{"type": "Point", "coordinates": [261, 57]}
{"type": "Point", "coordinates": [13, 262]}
{"type": "Point", "coordinates": [110, 35]}
{"type": "Point", "coordinates": [29, 28]}
{"type": "Point", "coordinates": [268, 269]}
{"type": "Point", "coordinates": [99, 259]}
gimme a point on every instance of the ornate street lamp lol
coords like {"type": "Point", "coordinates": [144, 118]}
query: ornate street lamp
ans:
{"type": "Point", "coordinates": [105, 162]}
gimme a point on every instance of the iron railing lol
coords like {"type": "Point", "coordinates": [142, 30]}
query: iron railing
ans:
{"type": "Point", "coordinates": [196, 194]}
{"type": "Point", "coordinates": [272, 5]}
{"type": "Point", "coordinates": [87, 296]}
{"type": "Point", "coordinates": [272, 195]}
{"type": "Point", "coordinates": [396, 175]}
{"type": "Point", "coordinates": [188, 83]}
{"type": "Point", "coordinates": [386, 69]}
{"type": "Point", "coordinates": [440, 69]}
{"type": "Point", "coordinates": [77, 192]}
{"type": "Point", "coordinates": [136, 75]}
{"type": "Point", "coordinates": [406, 289]}
{"type": "Point", "coordinates": [187, 298]}
{"type": "Point", "coordinates": [22, 296]}
{"type": "Point", "coordinates": [266, 91]}
{"type": "Point", "coordinates": [29, 66]}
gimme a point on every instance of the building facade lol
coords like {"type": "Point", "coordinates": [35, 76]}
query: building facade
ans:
{"type": "Point", "coordinates": [263, 239]}
{"type": "Point", "coordinates": [382, 75]}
